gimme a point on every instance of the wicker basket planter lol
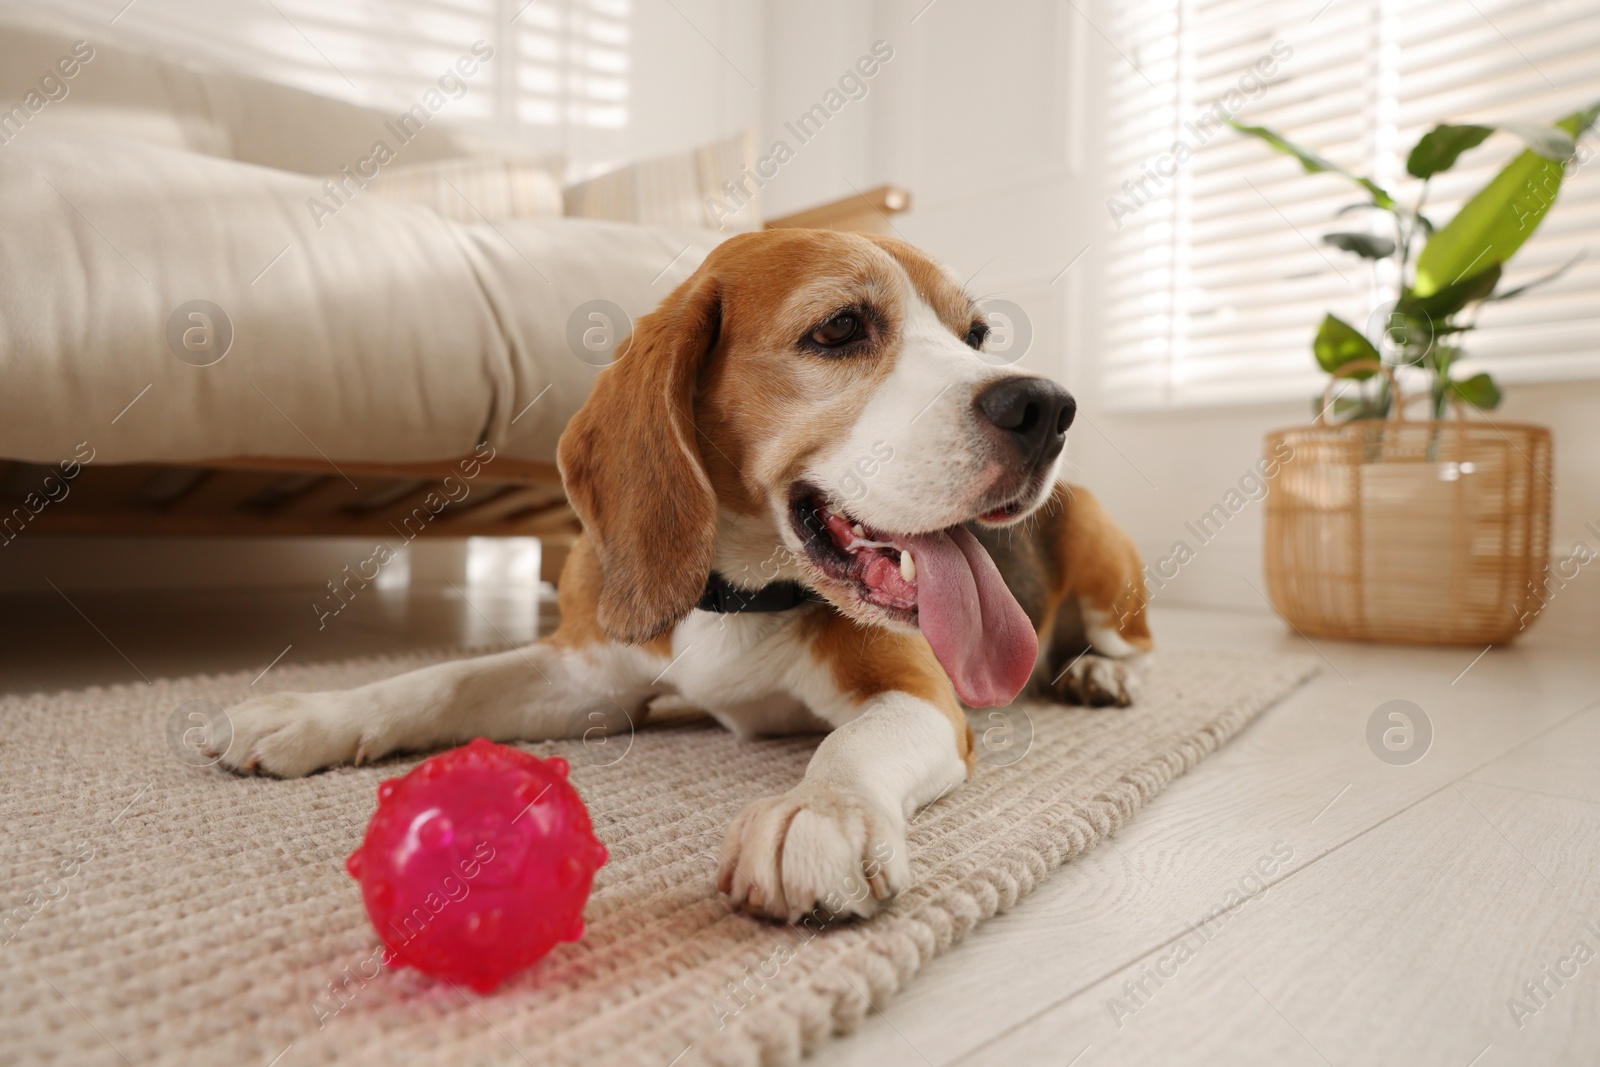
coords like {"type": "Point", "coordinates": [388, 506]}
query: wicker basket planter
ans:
{"type": "Point", "coordinates": [1431, 532]}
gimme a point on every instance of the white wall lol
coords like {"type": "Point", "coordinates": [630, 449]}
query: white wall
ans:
{"type": "Point", "coordinates": [808, 47]}
{"type": "Point", "coordinates": [691, 61]}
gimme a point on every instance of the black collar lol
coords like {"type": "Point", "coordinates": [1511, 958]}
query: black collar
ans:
{"type": "Point", "coordinates": [726, 599]}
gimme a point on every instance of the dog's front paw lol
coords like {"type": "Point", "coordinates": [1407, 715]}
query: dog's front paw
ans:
{"type": "Point", "coordinates": [812, 847]}
{"type": "Point", "coordinates": [292, 734]}
{"type": "Point", "coordinates": [1098, 681]}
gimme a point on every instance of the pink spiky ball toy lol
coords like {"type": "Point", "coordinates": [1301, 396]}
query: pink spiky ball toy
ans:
{"type": "Point", "coordinates": [477, 863]}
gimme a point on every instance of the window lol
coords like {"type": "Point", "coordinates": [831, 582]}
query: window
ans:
{"type": "Point", "coordinates": [1219, 274]}
{"type": "Point", "coordinates": [561, 67]}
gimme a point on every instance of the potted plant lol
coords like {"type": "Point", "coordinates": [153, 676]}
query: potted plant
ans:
{"type": "Point", "coordinates": [1437, 530]}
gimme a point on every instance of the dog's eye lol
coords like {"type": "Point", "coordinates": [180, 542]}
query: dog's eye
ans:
{"type": "Point", "coordinates": [839, 330]}
{"type": "Point", "coordinates": [977, 334]}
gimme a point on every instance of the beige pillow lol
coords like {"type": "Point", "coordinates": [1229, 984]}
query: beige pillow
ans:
{"type": "Point", "coordinates": [490, 188]}
{"type": "Point", "coordinates": [683, 189]}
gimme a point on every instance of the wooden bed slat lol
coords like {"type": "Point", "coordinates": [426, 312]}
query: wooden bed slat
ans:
{"type": "Point", "coordinates": [510, 499]}
{"type": "Point", "coordinates": [515, 502]}
{"type": "Point", "coordinates": [222, 492]}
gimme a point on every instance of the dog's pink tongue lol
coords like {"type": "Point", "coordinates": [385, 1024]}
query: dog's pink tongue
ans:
{"type": "Point", "coordinates": [976, 627]}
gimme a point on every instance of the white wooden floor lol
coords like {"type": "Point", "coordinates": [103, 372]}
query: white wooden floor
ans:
{"type": "Point", "coordinates": [1418, 904]}
{"type": "Point", "coordinates": [1417, 901]}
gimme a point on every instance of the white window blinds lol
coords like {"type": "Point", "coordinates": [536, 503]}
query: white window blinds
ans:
{"type": "Point", "coordinates": [557, 63]}
{"type": "Point", "coordinates": [1219, 275]}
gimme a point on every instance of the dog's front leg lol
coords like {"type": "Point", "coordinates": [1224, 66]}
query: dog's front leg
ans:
{"type": "Point", "coordinates": [837, 840]}
{"type": "Point", "coordinates": [537, 693]}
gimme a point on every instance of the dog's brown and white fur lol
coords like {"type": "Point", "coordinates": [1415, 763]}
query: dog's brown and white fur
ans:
{"type": "Point", "coordinates": [687, 458]}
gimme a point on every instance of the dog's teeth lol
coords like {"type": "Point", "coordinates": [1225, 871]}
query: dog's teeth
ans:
{"type": "Point", "coordinates": [858, 531]}
{"type": "Point", "coordinates": [908, 567]}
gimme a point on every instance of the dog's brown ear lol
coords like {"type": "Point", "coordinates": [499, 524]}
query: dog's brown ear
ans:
{"type": "Point", "coordinates": [631, 463]}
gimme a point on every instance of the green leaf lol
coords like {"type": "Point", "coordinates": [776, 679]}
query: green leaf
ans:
{"type": "Point", "coordinates": [1479, 391]}
{"type": "Point", "coordinates": [1504, 214]}
{"type": "Point", "coordinates": [1339, 343]}
{"type": "Point", "coordinates": [1492, 225]}
{"type": "Point", "coordinates": [1578, 122]}
{"type": "Point", "coordinates": [1366, 245]}
{"type": "Point", "coordinates": [1441, 146]}
{"type": "Point", "coordinates": [1315, 164]}
{"type": "Point", "coordinates": [1542, 279]}
{"type": "Point", "coordinates": [1410, 356]}
{"type": "Point", "coordinates": [1439, 306]}
{"type": "Point", "coordinates": [1495, 223]}
{"type": "Point", "coordinates": [1348, 409]}
{"type": "Point", "coordinates": [1551, 143]}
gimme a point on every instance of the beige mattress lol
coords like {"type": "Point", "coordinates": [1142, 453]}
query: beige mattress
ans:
{"type": "Point", "coordinates": [389, 334]}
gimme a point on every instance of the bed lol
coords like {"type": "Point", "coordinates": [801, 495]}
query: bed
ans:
{"type": "Point", "coordinates": [207, 327]}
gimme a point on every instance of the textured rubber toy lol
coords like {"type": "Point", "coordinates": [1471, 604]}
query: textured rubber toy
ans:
{"type": "Point", "coordinates": [477, 863]}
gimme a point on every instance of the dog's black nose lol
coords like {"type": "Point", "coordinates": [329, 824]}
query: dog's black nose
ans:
{"type": "Point", "coordinates": [1036, 411]}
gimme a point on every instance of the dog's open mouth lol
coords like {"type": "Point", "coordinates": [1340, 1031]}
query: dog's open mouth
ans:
{"type": "Point", "coordinates": [941, 581]}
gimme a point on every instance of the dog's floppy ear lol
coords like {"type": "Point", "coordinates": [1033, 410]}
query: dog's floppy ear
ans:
{"type": "Point", "coordinates": [631, 463]}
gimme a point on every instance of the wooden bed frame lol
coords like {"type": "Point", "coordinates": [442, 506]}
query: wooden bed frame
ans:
{"type": "Point", "coordinates": [259, 496]}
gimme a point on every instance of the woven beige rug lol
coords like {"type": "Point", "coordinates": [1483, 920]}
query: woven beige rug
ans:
{"type": "Point", "coordinates": [158, 913]}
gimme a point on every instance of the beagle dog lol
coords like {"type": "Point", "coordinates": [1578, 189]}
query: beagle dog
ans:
{"type": "Point", "coordinates": [810, 504]}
